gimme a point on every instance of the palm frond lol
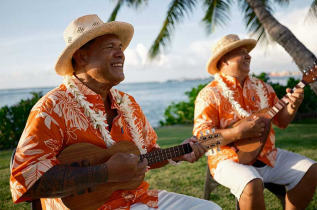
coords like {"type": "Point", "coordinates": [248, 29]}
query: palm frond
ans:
{"type": "Point", "coordinates": [115, 11]}
{"type": "Point", "coordinates": [136, 3]}
{"type": "Point", "coordinates": [175, 14]}
{"type": "Point", "coordinates": [253, 24]}
{"type": "Point", "coordinates": [216, 13]}
{"type": "Point", "coordinates": [282, 2]}
{"type": "Point", "coordinates": [312, 13]}
{"type": "Point", "coordinates": [131, 3]}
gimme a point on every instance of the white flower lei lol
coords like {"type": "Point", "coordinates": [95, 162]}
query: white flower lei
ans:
{"type": "Point", "coordinates": [98, 119]}
{"type": "Point", "coordinates": [227, 93]}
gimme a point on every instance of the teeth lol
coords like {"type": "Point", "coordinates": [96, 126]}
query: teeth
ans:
{"type": "Point", "coordinates": [117, 64]}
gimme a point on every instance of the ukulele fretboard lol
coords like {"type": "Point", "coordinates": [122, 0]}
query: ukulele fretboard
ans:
{"type": "Point", "coordinates": [283, 102]}
{"type": "Point", "coordinates": [164, 154]}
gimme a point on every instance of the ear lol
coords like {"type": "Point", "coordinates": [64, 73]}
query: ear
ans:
{"type": "Point", "coordinates": [224, 60]}
{"type": "Point", "coordinates": [81, 57]}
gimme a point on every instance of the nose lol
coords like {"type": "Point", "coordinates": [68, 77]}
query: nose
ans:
{"type": "Point", "coordinates": [248, 57]}
{"type": "Point", "coordinates": [119, 53]}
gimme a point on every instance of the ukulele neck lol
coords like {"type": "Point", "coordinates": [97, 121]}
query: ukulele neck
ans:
{"type": "Point", "coordinates": [164, 154]}
{"type": "Point", "coordinates": [283, 102]}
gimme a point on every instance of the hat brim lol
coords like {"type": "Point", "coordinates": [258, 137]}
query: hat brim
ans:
{"type": "Point", "coordinates": [124, 31]}
{"type": "Point", "coordinates": [249, 44]}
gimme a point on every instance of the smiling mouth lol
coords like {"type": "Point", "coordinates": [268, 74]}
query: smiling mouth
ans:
{"type": "Point", "coordinates": [117, 65]}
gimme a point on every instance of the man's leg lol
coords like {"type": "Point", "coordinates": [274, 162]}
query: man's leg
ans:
{"type": "Point", "coordinates": [297, 173]}
{"type": "Point", "coordinates": [300, 196]}
{"type": "Point", "coordinates": [174, 201]}
{"type": "Point", "coordinates": [252, 196]}
{"type": "Point", "coordinates": [243, 181]}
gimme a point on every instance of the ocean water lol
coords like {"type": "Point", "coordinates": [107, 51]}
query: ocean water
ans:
{"type": "Point", "coordinates": [153, 97]}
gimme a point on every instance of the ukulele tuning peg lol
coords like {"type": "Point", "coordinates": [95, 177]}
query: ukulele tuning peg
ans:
{"type": "Point", "coordinates": [218, 149]}
{"type": "Point", "coordinates": [213, 130]}
{"type": "Point", "coordinates": [212, 151]}
{"type": "Point", "coordinates": [201, 133]}
{"type": "Point", "coordinates": [314, 79]}
{"type": "Point", "coordinates": [207, 132]}
{"type": "Point", "coordinates": [305, 70]}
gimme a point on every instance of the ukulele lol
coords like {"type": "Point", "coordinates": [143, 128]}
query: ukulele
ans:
{"type": "Point", "coordinates": [86, 154]}
{"type": "Point", "coordinates": [248, 149]}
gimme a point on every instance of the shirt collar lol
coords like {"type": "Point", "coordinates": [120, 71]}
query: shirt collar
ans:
{"type": "Point", "coordinates": [83, 88]}
{"type": "Point", "coordinates": [88, 92]}
{"type": "Point", "coordinates": [232, 81]}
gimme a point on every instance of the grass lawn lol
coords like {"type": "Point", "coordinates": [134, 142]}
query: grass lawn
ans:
{"type": "Point", "coordinates": [189, 178]}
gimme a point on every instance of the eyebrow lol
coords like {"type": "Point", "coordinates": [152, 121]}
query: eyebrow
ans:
{"type": "Point", "coordinates": [110, 43]}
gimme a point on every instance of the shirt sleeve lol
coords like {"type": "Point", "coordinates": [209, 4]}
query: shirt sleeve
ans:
{"type": "Point", "coordinates": [206, 112]}
{"type": "Point", "coordinates": [38, 147]}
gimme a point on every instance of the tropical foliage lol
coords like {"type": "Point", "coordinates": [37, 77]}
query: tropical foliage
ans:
{"type": "Point", "coordinates": [13, 120]}
{"type": "Point", "coordinates": [183, 112]}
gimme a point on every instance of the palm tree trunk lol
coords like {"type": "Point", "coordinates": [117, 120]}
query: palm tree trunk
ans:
{"type": "Point", "coordinates": [283, 36]}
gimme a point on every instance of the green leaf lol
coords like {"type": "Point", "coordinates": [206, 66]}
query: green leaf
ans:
{"type": "Point", "coordinates": [175, 14]}
{"type": "Point", "coordinates": [216, 13]}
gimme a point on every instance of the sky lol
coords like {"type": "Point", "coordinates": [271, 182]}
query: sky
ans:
{"type": "Point", "coordinates": [32, 39]}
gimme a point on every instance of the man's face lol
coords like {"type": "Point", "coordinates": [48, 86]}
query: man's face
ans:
{"type": "Point", "coordinates": [239, 59]}
{"type": "Point", "coordinates": [106, 60]}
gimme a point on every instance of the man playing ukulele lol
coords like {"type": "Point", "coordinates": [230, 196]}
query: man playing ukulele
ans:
{"type": "Point", "coordinates": [85, 108]}
{"type": "Point", "coordinates": [232, 96]}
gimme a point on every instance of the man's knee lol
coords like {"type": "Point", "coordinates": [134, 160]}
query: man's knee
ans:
{"type": "Point", "coordinates": [311, 174]}
{"type": "Point", "coordinates": [253, 188]}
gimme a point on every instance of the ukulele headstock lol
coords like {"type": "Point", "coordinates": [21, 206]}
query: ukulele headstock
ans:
{"type": "Point", "coordinates": [210, 139]}
{"type": "Point", "coordinates": [310, 75]}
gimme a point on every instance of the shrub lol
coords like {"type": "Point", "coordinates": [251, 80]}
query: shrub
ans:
{"type": "Point", "coordinates": [182, 112]}
{"type": "Point", "coordinates": [13, 120]}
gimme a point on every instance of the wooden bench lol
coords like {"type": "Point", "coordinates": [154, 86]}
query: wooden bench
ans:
{"type": "Point", "coordinates": [210, 184]}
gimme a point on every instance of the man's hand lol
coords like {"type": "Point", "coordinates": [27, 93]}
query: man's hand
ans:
{"type": "Point", "coordinates": [198, 151]}
{"type": "Point", "coordinates": [295, 98]}
{"type": "Point", "coordinates": [253, 127]}
{"type": "Point", "coordinates": [123, 167]}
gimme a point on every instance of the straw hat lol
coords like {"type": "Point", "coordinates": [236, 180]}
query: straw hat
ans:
{"type": "Point", "coordinates": [84, 29]}
{"type": "Point", "coordinates": [225, 45]}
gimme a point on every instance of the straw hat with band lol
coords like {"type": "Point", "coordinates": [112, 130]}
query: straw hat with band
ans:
{"type": "Point", "coordinates": [224, 46]}
{"type": "Point", "coordinates": [84, 29]}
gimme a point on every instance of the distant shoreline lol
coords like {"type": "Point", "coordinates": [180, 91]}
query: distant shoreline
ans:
{"type": "Point", "coordinates": [297, 76]}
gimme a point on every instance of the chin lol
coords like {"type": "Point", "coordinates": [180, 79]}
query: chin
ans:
{"type": "Point", "coordinates": [118, 80]}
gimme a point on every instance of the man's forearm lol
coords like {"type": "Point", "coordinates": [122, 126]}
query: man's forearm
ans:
{"type": "Point", "coordinates": [229, 135]}
{"type": "Point", "coordinates": [62, 180]}
{"type": "Point", "coordinates": [286, 116]}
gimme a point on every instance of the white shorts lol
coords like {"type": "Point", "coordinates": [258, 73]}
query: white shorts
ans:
{"type": "Point", "coordinates": [174, 201]}
{"type": "Point", "coordinates": [288, 170]}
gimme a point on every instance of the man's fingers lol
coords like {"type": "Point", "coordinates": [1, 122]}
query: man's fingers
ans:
{"type": "Point", "coordinates": [203, 147]}
{"type": "Point", "coordinates": [134, 158]}
{"type": "Point", "coordinates": [195, 149]}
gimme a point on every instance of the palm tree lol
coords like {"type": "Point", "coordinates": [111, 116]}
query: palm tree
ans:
{"type": "Point", "coordinates": [258, 20]}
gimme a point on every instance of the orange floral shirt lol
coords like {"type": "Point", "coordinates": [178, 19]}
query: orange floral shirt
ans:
{"type": "Point", "coordinates": [213, 110]}
{"type": "Point", "coordinates": [57, 121]}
